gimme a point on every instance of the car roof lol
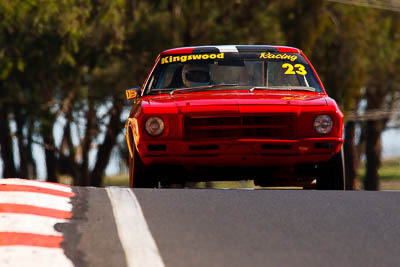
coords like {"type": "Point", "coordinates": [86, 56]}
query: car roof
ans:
{"type": "Point", "coordinates": [231, 49]}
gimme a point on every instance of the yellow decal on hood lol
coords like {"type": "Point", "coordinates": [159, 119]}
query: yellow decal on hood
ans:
{"type": "Point", "coordinates": [184, 58]}
{"type": "Point", "coordinates": [292, 98]}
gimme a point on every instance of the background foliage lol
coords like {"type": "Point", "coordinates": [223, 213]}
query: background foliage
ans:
{"type": "Point", "coordinates": [66, 63]}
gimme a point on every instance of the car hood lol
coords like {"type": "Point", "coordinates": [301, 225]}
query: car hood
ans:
{"type": "Point", "coordinates": [231, 101]}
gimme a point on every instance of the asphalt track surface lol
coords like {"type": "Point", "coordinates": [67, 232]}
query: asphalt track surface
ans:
{"type": "Point", "coordinates": [205, 227]}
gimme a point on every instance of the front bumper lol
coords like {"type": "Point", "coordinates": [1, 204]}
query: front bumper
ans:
{"type": "Point", "coordinates": [242, 152]}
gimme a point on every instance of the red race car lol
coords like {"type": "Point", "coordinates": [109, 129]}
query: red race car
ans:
{"type": "Point", "coordinates": [239, 112]}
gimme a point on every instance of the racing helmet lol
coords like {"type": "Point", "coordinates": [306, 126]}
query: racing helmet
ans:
{"type": "Point", "coordinates": [196, 75]}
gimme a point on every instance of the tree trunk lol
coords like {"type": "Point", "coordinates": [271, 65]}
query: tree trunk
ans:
{"type": "Point", "coordinates": [351, 156]}
{"type": "Point", "coordinates": [67, 163]}
{"type": "Point", "coordinates": [374, 130]}
{"type": "Point", "coordinates": [46, 131]}
{"type": "Point", "coordinates": [23, 155]}
{"type": "Point", "coordinates": [103, 155]}
{"type": "Point", "coordinates": [51, 159]}
{"type": "Point", "coordinates": [32, 172]}
{"type": "Point", "coordinates": [87, 142]}
{"type": "Point", "coordinates": [7, 153]}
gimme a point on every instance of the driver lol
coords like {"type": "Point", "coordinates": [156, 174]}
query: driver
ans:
{"type": "Point", "coordinates": [194, 75]}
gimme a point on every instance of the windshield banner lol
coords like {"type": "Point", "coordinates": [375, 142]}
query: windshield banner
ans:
{"type": "Point", "coordinates": [184, 58]}
{"type": "Point", "coordinates": [278, 56]}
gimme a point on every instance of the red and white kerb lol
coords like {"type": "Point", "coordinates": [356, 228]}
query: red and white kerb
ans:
{"type": "Point", "coordinates": [29, 210]}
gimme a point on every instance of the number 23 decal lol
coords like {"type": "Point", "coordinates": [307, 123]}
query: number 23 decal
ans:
{"type": "Point", "coordinates": [297, 68]}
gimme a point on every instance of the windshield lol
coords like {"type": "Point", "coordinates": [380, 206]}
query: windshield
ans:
{"type": "Point", "coordinates": [232, 71]}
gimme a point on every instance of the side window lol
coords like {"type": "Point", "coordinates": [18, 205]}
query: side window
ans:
{"type": "Point", "coordinates": [254, 70]}
{"type": "Point", "coordinates": [150, 83]}
{"type": "Point", "coordinates": [278, 75]}
{"type": "Point", "coordinates": [171, 77]}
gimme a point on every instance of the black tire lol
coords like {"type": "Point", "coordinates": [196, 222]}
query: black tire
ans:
{"type": "Point", "coordinates": [331, 174]}
{"type": "Point", "coordinates": [140, 176]}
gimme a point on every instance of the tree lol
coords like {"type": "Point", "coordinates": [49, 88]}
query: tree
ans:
{"type": "Point", "coordinates": [381, 88]}
{"type": "Point", "coordinates": [343, 43]}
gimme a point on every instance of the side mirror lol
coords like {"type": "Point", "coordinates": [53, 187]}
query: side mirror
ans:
{"type": "Point", "coordinates": [132, 93]}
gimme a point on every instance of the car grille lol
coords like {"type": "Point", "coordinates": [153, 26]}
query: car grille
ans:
{"type": "Point", "coordinates": [274, 126]}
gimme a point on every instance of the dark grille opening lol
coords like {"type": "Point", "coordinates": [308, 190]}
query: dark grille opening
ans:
{"type": "Point", "coordinates": [275, 126]}
{"type": "Point", "coordinates": [323, 145]}
{"type": "Point", "coordinates": [201, 155]}
{"type": "Point", "coordinates": [157, 147]}
{"type": "Point", "coordinates": [213, 121]}
{"type": "Point", "coordinates": [265, 120]}
{"type": "Point", "coordinates": [256, 132]}
{"type": "Point", "coordinates": [277, 147]}
{"type": "Point", "coordinates": [205, 147]}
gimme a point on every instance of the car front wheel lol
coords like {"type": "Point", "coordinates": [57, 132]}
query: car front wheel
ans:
{"type": "Point", "coordinates": [140, 176]}
{"type": "Point", "coordinates": [331, 174]}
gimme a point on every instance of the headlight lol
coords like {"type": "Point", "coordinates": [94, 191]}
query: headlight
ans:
{"type": "Point", "coordinates": [323, 124]}
{"type": "Point", "coordinates": [154, 126]}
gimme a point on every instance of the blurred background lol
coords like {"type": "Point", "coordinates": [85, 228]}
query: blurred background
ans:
{"type": "Point", "coordinates": [65, 65]}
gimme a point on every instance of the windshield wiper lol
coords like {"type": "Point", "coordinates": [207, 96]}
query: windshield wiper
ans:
{"type": "Point", "coordinates": [201, 88]}
{"type": "Point", "coordinates": [284, 88]}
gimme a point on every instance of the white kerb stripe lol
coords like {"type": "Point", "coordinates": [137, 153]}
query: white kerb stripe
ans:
{"type": "Point", "coordinates": [37, 184]}
{"type": "Point", "coordinates": [227, 48]}
{"type": "Point", "coordinates": [134, 233]}
{"type": "Point", "coordinates": [35, 199]}
{"type": "Point", "coordinates": [27, 223]}
{"type": "Point", "coordinates": [26, 256]}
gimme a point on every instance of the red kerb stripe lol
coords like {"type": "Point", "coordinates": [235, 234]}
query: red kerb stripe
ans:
{"type": "Point", "coordinates": [26, 239]}
{"type": "Point", "coordinates": [34, 210]}
{"type": "Point", "coordinates": [35, 189]}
